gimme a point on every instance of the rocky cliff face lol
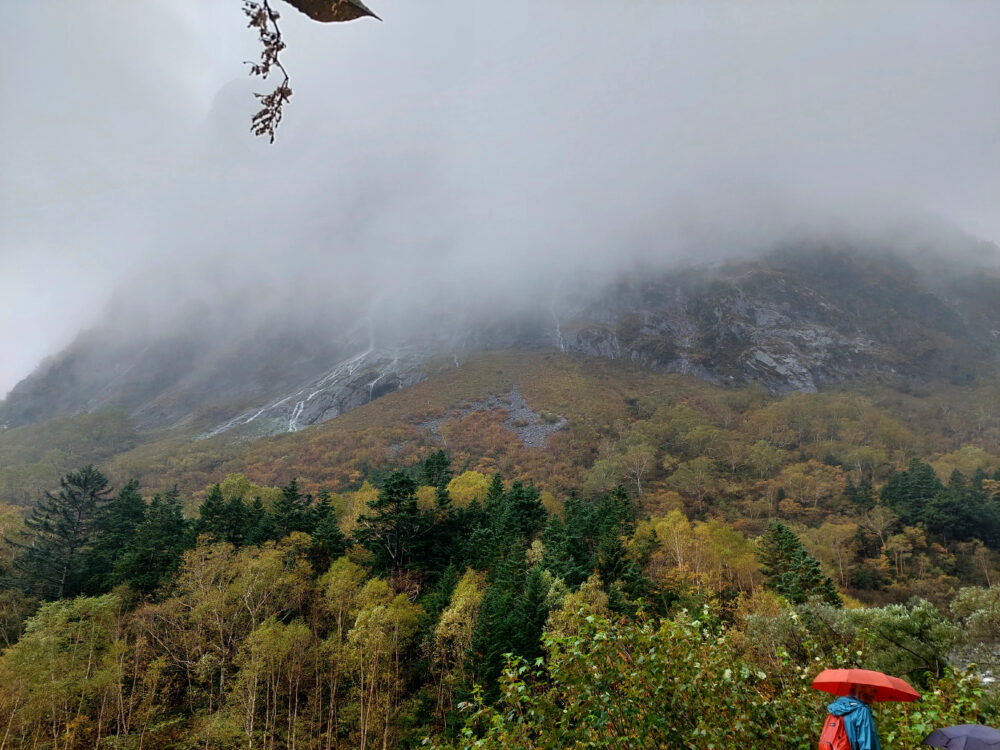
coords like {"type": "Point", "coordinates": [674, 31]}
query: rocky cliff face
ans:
{"type": "Point", "coordinates": [795, 320]}
{"type": "Point", "coordinates": [350, 383]}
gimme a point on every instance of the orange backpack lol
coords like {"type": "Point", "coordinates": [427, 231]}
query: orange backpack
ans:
{"type": "Point", "coordinates": [834, 736]}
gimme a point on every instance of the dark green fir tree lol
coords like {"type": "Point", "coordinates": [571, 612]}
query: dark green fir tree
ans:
{"type": "Point", "coordinates": [114, 531]}
{"type": "Point", "coordinates": [392, 528]}
{"type": "Point", "coordinates": [50, 560]}
{"type": "Point", "coordinates": [292, 511]}
{"type": "Point", "coordinates": [155, 551]}
{"type": "Point", "coordinates": [790, 570]}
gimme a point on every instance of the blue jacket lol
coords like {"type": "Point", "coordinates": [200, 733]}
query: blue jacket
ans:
{"type": "Point", "coordinates": [858, 722]}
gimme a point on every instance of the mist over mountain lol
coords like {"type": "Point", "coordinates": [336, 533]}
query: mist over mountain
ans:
{"type": "Point", "coordinates": [465, 153]}
{"type": "Point", "coordinates": [807, 315]}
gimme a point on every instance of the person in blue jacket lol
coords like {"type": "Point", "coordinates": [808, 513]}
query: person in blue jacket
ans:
{"type": "Point", "coordinates": [858, 721]}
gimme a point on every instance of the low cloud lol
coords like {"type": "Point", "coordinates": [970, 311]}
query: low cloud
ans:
{"type": "Point", "coordinates": [466, 151]}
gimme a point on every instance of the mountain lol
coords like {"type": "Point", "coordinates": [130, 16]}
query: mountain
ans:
{"type": "Point", "coordinates": [801, 318]}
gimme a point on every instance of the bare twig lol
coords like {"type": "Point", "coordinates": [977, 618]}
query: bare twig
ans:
{"type": "Point", "coordinates": [265, 20]}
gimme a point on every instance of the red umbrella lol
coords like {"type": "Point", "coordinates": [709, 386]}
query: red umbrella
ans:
{"type": "Point", "coordinates": [842, 681]}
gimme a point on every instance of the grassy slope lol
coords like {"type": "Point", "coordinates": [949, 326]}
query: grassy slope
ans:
{"type": "Point", "coordinates": [590, 393]}
{"type": "Point", "coordinates": [33, 457]}
{"type": "Point", "coordinates": [602, 401]}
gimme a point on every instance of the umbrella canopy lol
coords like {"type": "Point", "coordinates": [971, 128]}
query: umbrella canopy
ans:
{"type": "Point", "coordinates": [965, 737]}
{"type": "Point", "coordinates": [841, 682]}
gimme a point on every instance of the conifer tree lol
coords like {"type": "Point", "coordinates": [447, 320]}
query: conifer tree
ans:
{"type": "Point", "coordinates": [115, 529]}
{"type": "Point", "coordinates": [435, 471]}
{"type": "Point", "coordinates": [237, 524]}
{"type": "Point", "coordinates": [505, 520]}
{"type": "Point", "coordinates": [610, 558]}
{"type": "Point", "coordinates": [392, 529]}
{"type": "Point", "coordinates": [328, 540]}
{"type": "Point", "coordinates": [534, 611]}
{"type": "Point", "coordinates": [591, 539]}
{"type": "Point", "coordinates": [511, 616]}
{"type": "Point", "coordinates": [908, 491]}
{"type": "Point", "coordinates": [475, 537]}
{"type": "Point", "coordinates": [292, 511]}
{"type": "Point", "coordinates": [436, 596]}
{"type": "Point", "coordinates": [960, 511]}
{"type": "Point", "coordinates": [211, 515]}
{"type": "Point", "coordinates": [155, 551]}
{"type": "Point", "coordinates": [442, 545]}
{"type": "Point", "coordinates": [50, 563]}
{"type": "Point", "coordinates": [442, 499]}
{"type": "Point", "coordinates": [523, 513]}
{"type": "Point", "coordinates": [617, 508]}
{"type": "Point", "coordinates": [862, 494]}
{"type": "Point", "coordinates": [259, 523]}
{"type": "Point", "coordinates": [566, 554]}
{"type": "Point", "coordinates": [494, 494]}
{"type": "Point", "coordinates": [791, 571]}
{"type": "Point", "coordinates": [224, 520]}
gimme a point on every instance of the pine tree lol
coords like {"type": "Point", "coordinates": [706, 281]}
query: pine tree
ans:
{"type": "Point", "coordinates": [237, 525]}
{"type": "Point", "coordinates": [591, 539]}
{"type": "Point", "coordinates": [906, 492]}
{"type": "Point", "coordinates": [611, 558]}
{"type": "Point", "coordinates": [51, 560]}
{"type": "Point", "coordinates": [476, 538]}
{"type": "Point", "coordinates": [392, 529]}
{"type": "Point", "coordinates": [435, 471]}
{"type": "Point", "coordinates": [566, 554]}
{"type": "Point", "coordinates": [115, 528]}
{"type": "Point", "coordinates": [224, 520]}
{"type": "Point", "coordinates": [534, 612]}
{"type": "Point", "coordinates": [442, 544]}
{"type": "Point", "coordinates": [861, 495]}
{"type": "Point", "coordinates": [211, 515]}
{"type": "Point", "coordinates": [776, 550]}
{"type": "Point", "coordinates": [960, 511]}
{"type": "Point", "coordinates": [328, 540]}
{"type": "Point", "coordinates": [616, 508]}
{"type": "Point", "coordinates": [523, 513]}
{"type": "Point", "coordinates": [494, 495]}
{"type": "Point", "coordinates": [790, 570]}
{"type": "Point", "coordinates": [511, 616]}
{"type": "Point", "coordinates": [442, 499]}
{"type": "Point", "coordinates": [259, 524]}
{"type": "Point", "coordinates": [156, 549]}
{"type": "Point", "coordinates": [292, 511]}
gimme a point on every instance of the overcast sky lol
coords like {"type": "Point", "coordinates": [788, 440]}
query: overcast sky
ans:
{"type": "Point", "coordinates": [473, 145]}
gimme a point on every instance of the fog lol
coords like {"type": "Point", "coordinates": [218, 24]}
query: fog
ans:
{"type": "Point", "coordinates": [463, 153]}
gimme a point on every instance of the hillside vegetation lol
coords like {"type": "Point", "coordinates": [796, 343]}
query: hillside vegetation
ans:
{"type": "Point", "coordinates": [735, 456]}
{"type": "Point", "coordinates": [622, 558]}
{"type": "Point", "coordinates": [451, 610]}
{"type": "Point", "coordinates": [33, 457]}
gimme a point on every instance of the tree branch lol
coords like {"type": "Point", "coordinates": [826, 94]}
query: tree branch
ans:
{"type": "Point", "coordinates": [265, 20]}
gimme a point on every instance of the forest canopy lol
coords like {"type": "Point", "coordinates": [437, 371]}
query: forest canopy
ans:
{"type": "Point", "coordinates": [394, 615]}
